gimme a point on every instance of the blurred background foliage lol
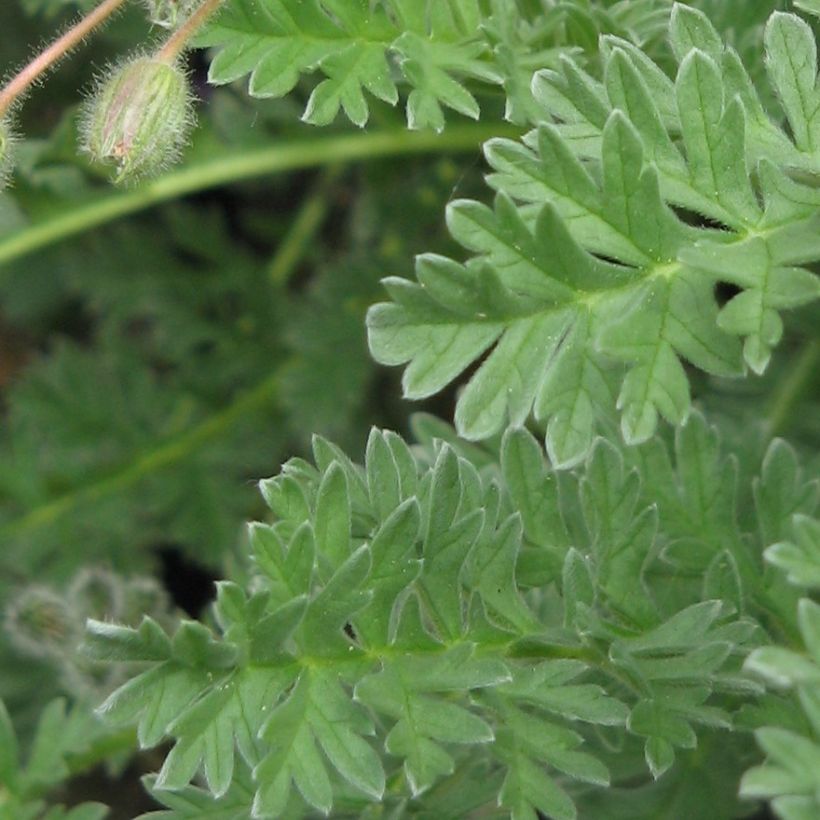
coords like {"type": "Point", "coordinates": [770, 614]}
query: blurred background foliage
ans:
{"type": "Point", "coordinates": [153, 368]}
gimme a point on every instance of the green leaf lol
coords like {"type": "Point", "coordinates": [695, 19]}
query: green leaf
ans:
{"type": "Point", "coordinates": [448, 540]}
{"type": "Point", "coordinates": [155, 698]}
{"type": "Point", "coordinates": [782, 667]}
{"type": "Point", "coordinates": [428, 67]}
{"type": "Point", "coordinates": [353, 45]}
{"type": "Point", "coordinates": [621, 535]}
{"type": "Point", "coordinates": [664, 731]}
{"type": "Point", "coordinates": [770, 283]}
{"type": "Point", "coordinates": [410, 691]}
{"type": "Point", "coordinates": [691, 29]}
{"type": "Point", "coordinates": [687, 628]}
{"type": "Point", "coordinates": [791, 55]}
{"type": "Point", "coordinates": [527, 789]}
{"type": "Point", "coordinates": [191, 802]}
{"type": "Point", "coordinates": [317, 711]}
{"type": "Point", "coordinates": [331, 522]}
{"type": "Point", "coordinates": [548, 687]}
{"type": "Point", "coordinates": [394, 566]}
{"type": "Point", "coordinates": [534, 494]}
{"type": "Point", "coordinates": [321, 629]}
{"type": "Point", "coordinates": [556, 746]}
{"type": "Point", "coordinates": [650, 331]}
{"type": "Point", "coordinates": [800, 558]}
{"type": "Point", "coordinates": [85, 811]}
{"type": "Point", "coordinates": [228, 715]}
{"type": "Point", "coordinates": [109, 642]}
{"type": "Point", "coordinates": [793, 767]}
{"type": "Point", "coordinates": [577, 585]}
{"type": "Point", "coordinates": [62, 735]}
{"type": "Point", "coordinates": [349, 72]}
{"type": "Point", "coordinates": [782, 493]}
{"type": "Point", "coordinates": [270, 633]}
{"type": "Point", "coordinates": [595, 179]}
{"type": "Point", "coordinates": [491, 572]}
{"type": "Point", "coordinates": [288, 570]}
{"type": "Point", "coordinates": [384, 477]}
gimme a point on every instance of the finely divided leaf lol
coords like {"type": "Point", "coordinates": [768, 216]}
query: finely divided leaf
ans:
{"type": "Point", "coordinates": [583, 267]}
{"type": "Point", "coordinates": [359, 49]}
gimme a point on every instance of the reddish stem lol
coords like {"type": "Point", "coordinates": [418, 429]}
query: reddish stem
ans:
{"type": "Point", "coordinates": [176, 43]}
{"type": "Point", "coordinates": [58, 49]}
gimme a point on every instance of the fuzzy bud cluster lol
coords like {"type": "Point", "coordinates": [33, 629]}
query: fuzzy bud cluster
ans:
{"type": "Point", "coordinates": [139, 118]}
{"type": "Point", "coordinates": [40, 623]}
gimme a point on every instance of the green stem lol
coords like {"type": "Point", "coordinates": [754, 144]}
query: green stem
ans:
{"type": "Point", "coordinates": [162, 456]}
{"type": "Point", "coordinates": [310, 217]}
{"type": "Point", "coordinates": [245, 164]}
{"type": "Point", "coordinates": [791, 388]}
{"type": "Point", "coordinates": [285, 262]}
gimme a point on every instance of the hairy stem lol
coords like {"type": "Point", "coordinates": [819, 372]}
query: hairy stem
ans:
{"type": "Point", "coordinates": [176, 43]}
{"type": "Point", "coordinates": [240, 165]}
{"type": "Point", "coordinates": [21, 82]}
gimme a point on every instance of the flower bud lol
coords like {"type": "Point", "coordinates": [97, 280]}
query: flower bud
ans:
{"type": "Point", "coordinates": [97, 593]}
{"type": "Point", "coordinates": [39, 622]}
{"type": "Point", "coordinates": [139, 118]}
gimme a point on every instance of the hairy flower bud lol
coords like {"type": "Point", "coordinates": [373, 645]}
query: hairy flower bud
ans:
{"type": "Point", "coordinates": [39, 622]}
{"type": "Point", "coordinates": [139, 118]}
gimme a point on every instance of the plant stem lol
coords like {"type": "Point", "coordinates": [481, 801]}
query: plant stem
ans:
{"type": "Point", "coordinates": [311, 215]}
{"type": "Point", "coordinates": [286, 157]}
{"type": "Point", "coordinates": [240, 165]}
{"type": "Point", "coordinates": [788, 392]}
{"type": "Point", "coordinates": [164, 455]}
{"type": "Point", "coordinates": [57, 50]}
{"type": "Point", "coordinates": [264, 394]}
{"type": "Point", "coordinates": [176, 43]}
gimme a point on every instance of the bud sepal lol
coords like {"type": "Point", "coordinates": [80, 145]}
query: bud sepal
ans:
{"type": "Point", "coordinates": [139, 118]}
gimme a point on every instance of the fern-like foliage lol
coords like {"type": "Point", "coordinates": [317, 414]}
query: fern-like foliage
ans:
{"type": "Point", "coordinates": [180, 382]}
{"type": "Point", "coordinates": [556, 608]}
{"type": "Point", "coordinates": [595, 269]}
{"type": "Point", "coordinates": [789, 777]}
{"type": "Point", "coordinates": [446, 615]}
{"type": "Point", "coordinates": [439, 49]}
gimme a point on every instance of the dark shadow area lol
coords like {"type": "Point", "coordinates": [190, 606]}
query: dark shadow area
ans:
{"type": "Point", "coordinates": [189, 584]}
